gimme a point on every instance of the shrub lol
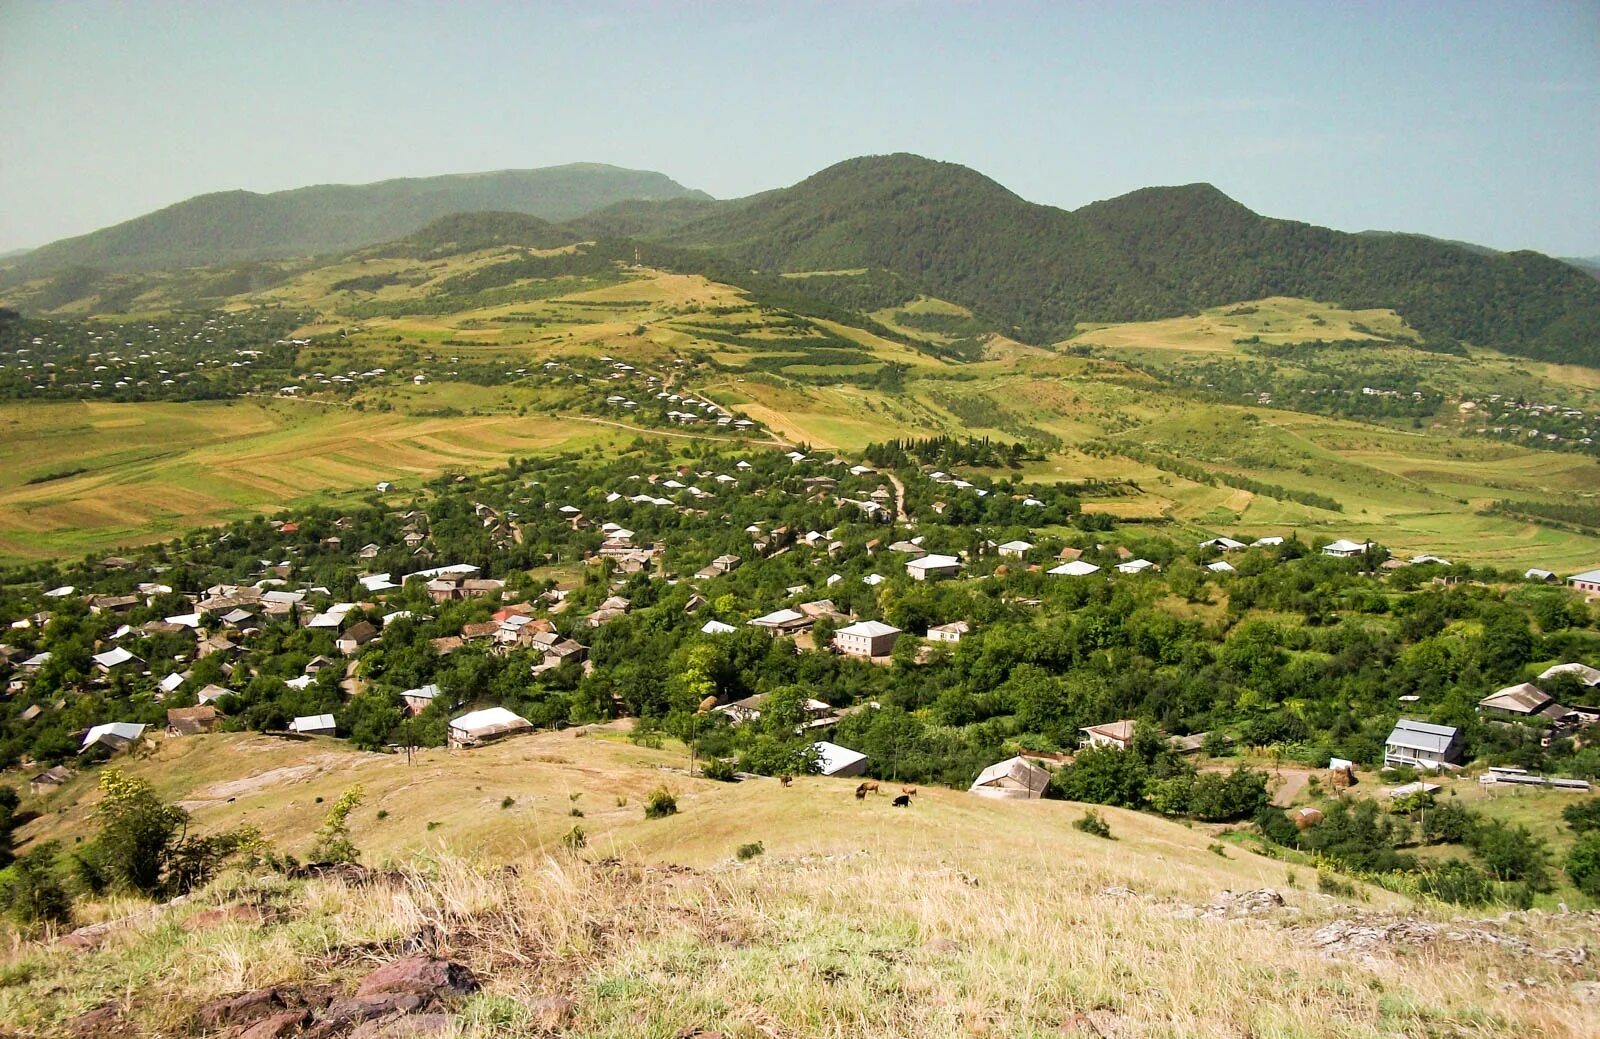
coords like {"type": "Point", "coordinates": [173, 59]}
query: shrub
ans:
{"type": "Point", "coordinates": [720, 769]}
{"type": "Point", "coordinates": [575, 812]}
{"type": "Point", "coordinates": [1448, 823]}
{"type": "Point", "coordinates": [1217, 848]}
{"type": "Point", "coordinates": [30, 892]}
{"type": "Point", "coordinates": [575, 838]}
{"type": "Point", "coordinates": [144, 844]}
{"type": "Point", "coordinates": [1093, 823]}
{"type": "Point", "coordinates": [749, 851]}
{"type": "Point", "coordinates": [1512, 853]}
{"type": "Point", "coordinates": [1583, 816]}
{"type": "Point", "coordinates": [661, 804]}
{"type": "Point", "coordinates": [507, 801]}
{"type": "Point", "coordinates": [333, 843]}
{"type": "Point", "coordinates": [1459, 882]}
{"type": "Point", "coordinates": [1329, 883]}
{"type": "Point", "coordinates": [1583, 863]}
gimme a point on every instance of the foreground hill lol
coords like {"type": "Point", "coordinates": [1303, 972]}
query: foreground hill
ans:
{"type": "Point", "coordinates": [236, 226]}
{"type": "Point", "coordinates": [957, 916]}
{"type": "Point", "coordinates": [1153, 253]}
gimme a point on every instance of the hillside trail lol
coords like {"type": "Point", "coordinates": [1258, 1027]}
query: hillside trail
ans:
{"type": "Point", "coordinates": [899, 500]}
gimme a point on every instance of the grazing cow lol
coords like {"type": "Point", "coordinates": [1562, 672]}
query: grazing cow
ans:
{"type": "Point", "coordinates": [870, 786]}
{"type": "Point", "coordinates": [786, 780]}
{"type": "Point", "coordinates": [908, 790]}
{"type": "Point", "coordinates": [903, 801]}
{"type": "Point", "coordinates": [861, 792]}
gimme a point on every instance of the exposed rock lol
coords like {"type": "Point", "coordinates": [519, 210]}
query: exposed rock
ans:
{"type": "Point", "coordinates": [1117, 891]}
{"type": "Point", "coordinates": [421, 974]}
{"type": "Point", "coordinates": [1091, 1024]}
{"type": "Point", "coordinates": [1229, 904]}
{"type": "Point", "coordinates": [411, 1026]}
{"type": "Point", "coordinates": [278, 1025]}
{"type": "Point", "coordinates": [1368, 933]}
{"type": "Point", "coordinates": [235, 914]}
{"type": "Point", "coordinates": [1586, 991]}
{"type": "Point", "coordinates": [99, 1023]}
{"type": "Point", "coordinates": [247, 1008]}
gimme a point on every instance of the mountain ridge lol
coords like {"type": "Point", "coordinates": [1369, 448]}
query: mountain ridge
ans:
{"type": "Point", "coordinates": [241, 226]}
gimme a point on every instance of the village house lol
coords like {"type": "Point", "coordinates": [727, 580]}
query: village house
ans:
{"type": "Point", "coordinates": [49, 781]}
{"type": "Point", "coordinates": [951, 632]}
{"type": "Point", "coordinates": [116, 660]}
{"type": "Point", "coordinates": [866, 639]}
{"type": "Point", "coordinates": [1135, 566]}
{"type": "Point", "coordinates": [1587, 582]}
{"type": "Point", "coordinates": [930, 567]}
{"type": "Point", "coordinates": [1074, 568]}
{"type": "Point", "coordinates": [356, 636]}
{"type": "Point", "coordinates": [417, 700]}
{"type": "Point", "coordinates": [1015, 549]}
{"type": "Point", "coordinates": [1422, 745]}
{"type": "Point", "coordinates": [488, 725]}
{"type": "Point", "coordinates": [1344, 549]}
{"type": "Point", "coordinates": [1012, 779]}
{"type": "Point", "coordinates": [1116, 735]}
{"type": "Point", "coordinates": [191, 721]}
{"type": "Point", "coordinates": [1585, 674]}
{"type": "Point", "coordinates": [1524, 700]}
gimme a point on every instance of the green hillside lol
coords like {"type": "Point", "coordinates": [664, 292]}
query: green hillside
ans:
{"type": "Point", "coordinates": [1157, 252]}
{"type": "Point", "coordinates": [233, 226]}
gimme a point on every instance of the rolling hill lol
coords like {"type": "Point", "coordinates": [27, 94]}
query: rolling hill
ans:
{"type": "Point", "coordinates": [760, 909]}
{"type": "Point", "coordinates": [238, 226]}
{"type": "Point", "coordinates": [1156, 252]}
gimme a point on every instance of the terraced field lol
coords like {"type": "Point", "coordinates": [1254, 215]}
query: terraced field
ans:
{"type": "Point", "coordinates": [86, 477]}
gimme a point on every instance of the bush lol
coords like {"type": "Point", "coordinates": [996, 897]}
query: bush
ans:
{"type": "Point", "coordinates": [1329, 883]}
{"type": "Point", "coordinates": [144, 844]}
{"type": "Point", "coordinates": [1584, 816]}
{"type": "Point", "coordinates": [30, 892]}
{"type": "Point", "coordinates": [333, 843]}
{"type": "Point", "coordinates": [749, 851]}
{"type": "Point", "coordinates": [1447, 823]}
{"type": "Point", "coordinates": [575, 838]}
{"type": "Point", "coordinates": [507, 801]}
{"type": "Point", "coordinates": [1093, 823]}
{"type": "Point", "coordinates": [1458, 882]}
{"type": "Point", "coordinates": [1583, 864]}
{"type": "Point", "coordinates": [1512, 853]}
{"type": "Point", "coordinates": [661, 804]}
{"type": "Point", "coordinates": [720, 769]}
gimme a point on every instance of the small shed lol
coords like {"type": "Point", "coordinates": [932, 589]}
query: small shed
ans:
{"type": "Point", "coordinates": [112, 736]}
{"type": "Point", "coordinates": [49, 780]}
{"type": "Point", "coordinates": [191, 721]}
{"type": "Point", "coordinates": [834, 760]}
{"type": "Point", "coordinates": [1013, 779]}
{"type": "Point", "coordinates": [314, 725]}
{"type": "Point", "coordinates": [486, 726]}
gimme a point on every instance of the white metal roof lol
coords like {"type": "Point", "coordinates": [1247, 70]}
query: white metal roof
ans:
{"type": "Point", "coordinates": [833, 758]}
{"type": "Point", "coordinates": [1076, 568]}
{"type": "Point", "coordinates": [489, 721]}
{"type": "Point", "coordinates": [118, 730]}
{"type": "Point", "coordinates": [869, 629]}
{"type": "Point", "coordinates": [312, 723]}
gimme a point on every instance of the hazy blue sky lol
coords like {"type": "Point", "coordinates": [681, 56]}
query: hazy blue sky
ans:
{"type": "Point", "coordinates": [1470, 121]}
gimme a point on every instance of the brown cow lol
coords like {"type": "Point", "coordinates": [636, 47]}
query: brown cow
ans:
{"type": "Point", "coordinates": [786, 780]}
{"type": "Point", "coordinates": [861, 792]}
{"type": "Point", "coordinates": [870, 786]}
{"type": "Point", "coordinates": [908, 790]}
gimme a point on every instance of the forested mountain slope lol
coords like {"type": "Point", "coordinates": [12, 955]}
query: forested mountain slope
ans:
{"type": "Point", "coordinates": [1153, 253]}
{"type": "Point", "coordinates": [232, 226]}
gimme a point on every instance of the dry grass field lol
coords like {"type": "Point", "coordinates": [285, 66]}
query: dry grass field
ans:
{"type": "Point", "coordinates": [956, 917]}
